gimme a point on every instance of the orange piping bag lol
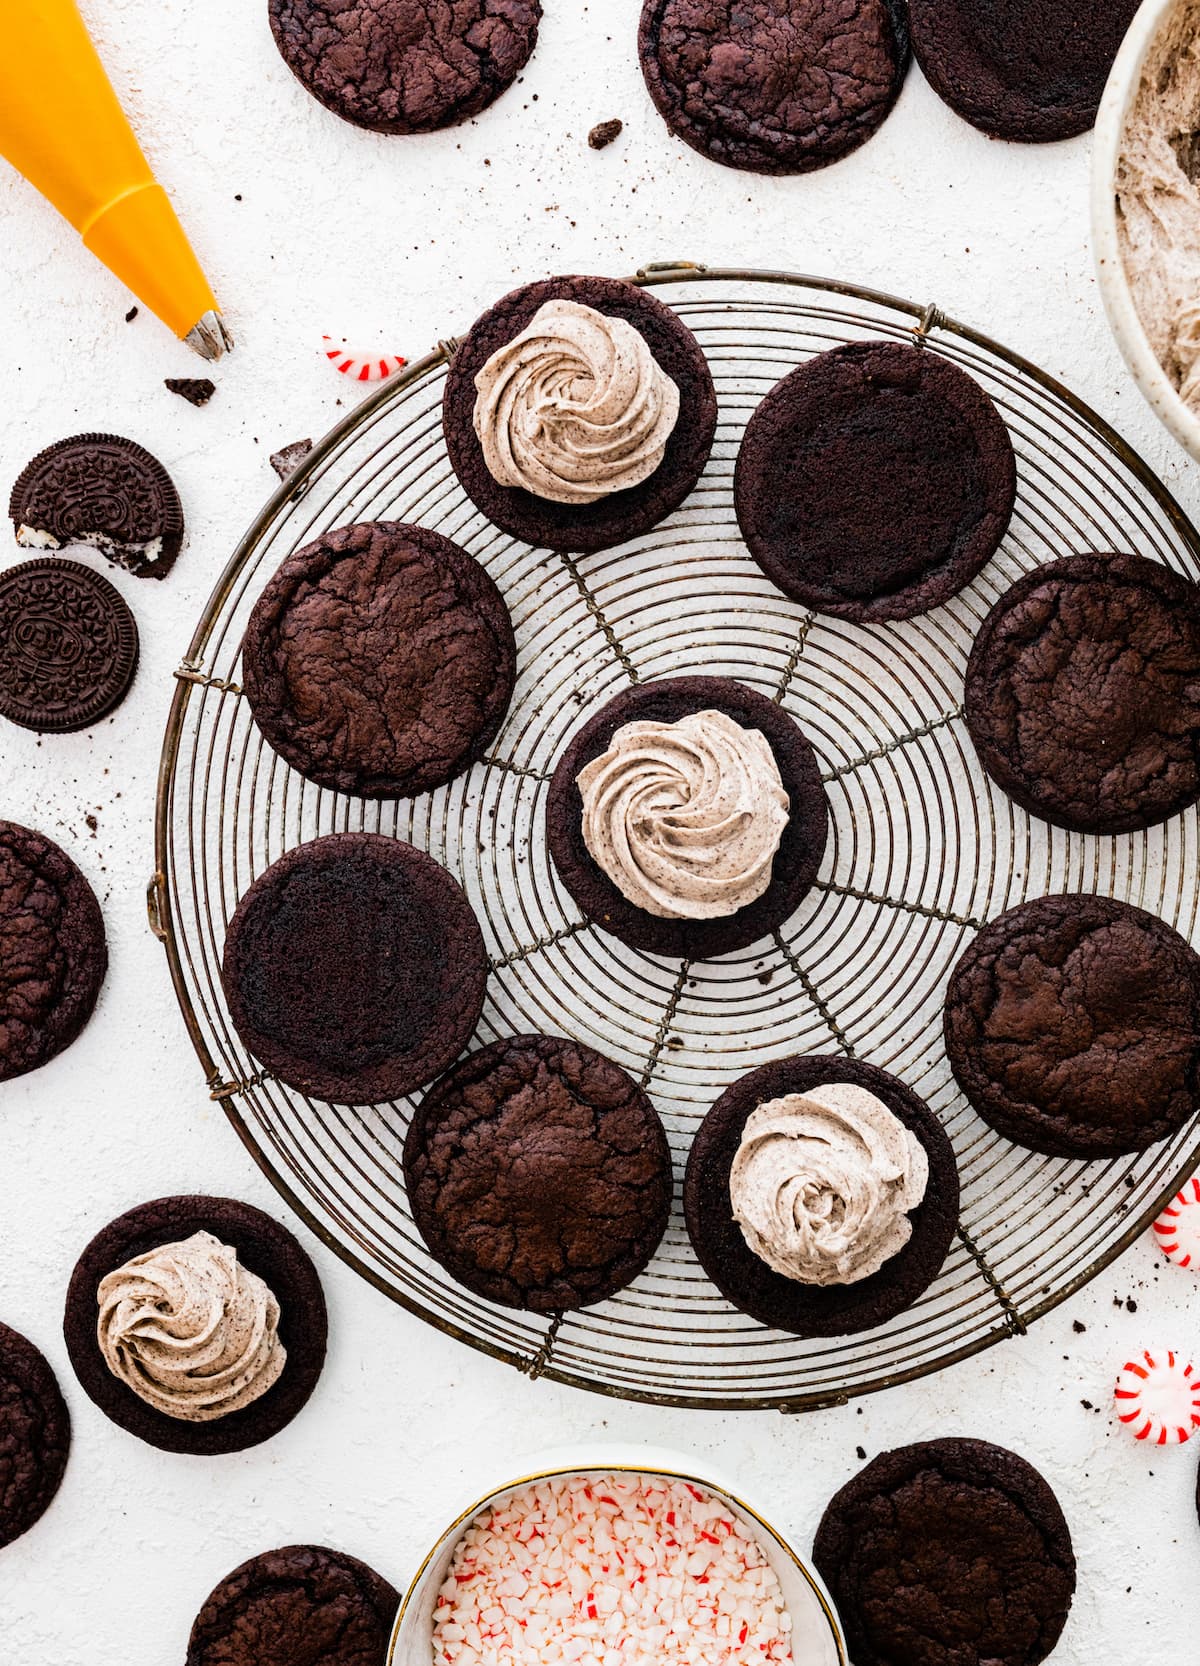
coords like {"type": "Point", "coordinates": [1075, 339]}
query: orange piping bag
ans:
{"type": "Point", "coordinates": [62, 126]}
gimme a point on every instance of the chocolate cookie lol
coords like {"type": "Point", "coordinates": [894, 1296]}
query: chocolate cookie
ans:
{"type": "Point", "coordinates": [1083, 693]}
{"type": "Point", "coordinates": [1020, 69]}
{"type": "Point", "coordinates": [35, 1435]}
{"type": "Point", "coordinates": [68, 646]}
{"type": "Point", "coordinates": [102, 490]}
{"type": "Point", "coordinates": [1073, 1027]}
{"type": "Point", "coordinates": [626, 514]}
{"type": "Point", "coordinates": [379, 660]}
{"type": "Point", "coordinates": [354, 968]}
{"type": "Point", "coordinates": [265, 1248]}
{"type": "Point", "coordinates": [53, 952]}
{"type": "Point", "coordinates": [949, 1551]}
{"type": "Point", "coordinates": [405, 66]}
{"type": "Point", "coordinates": [757, 1289]}
{"type": "Point", "coordinates": [796, 861]}
{"type": "Point", "coordinates": [299, 1606]}
{"type": "Point", "coordinates": [774, 86]}
{"type": "Point", "coordinates": [539, 1174]}
{"type": "Point", "coordinates": [875, 481]}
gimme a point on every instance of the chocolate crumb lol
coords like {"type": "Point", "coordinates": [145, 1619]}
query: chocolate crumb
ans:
{"type": "Point", "coordinates": [1079, 1327]}
{"type": "Point", "coordinates": [861, 1451]}
{"type": "Point", "coordinates": [288, 459]}
{"type": "Point", "coordinates": [131, 315]}
{"type": "Point", "coordinates": [197, 390]}
{"type": "Point", "coordinates": [604, 133]}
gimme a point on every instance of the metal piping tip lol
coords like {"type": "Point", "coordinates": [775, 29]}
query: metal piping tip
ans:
{"type": "Point", "coordinates": [210, 337]}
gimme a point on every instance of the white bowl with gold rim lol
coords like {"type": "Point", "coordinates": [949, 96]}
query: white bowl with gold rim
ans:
{"type": "Point", "coordinates": [816, 1632]}
{"type": "Point", "coordinates": [1115, 289]}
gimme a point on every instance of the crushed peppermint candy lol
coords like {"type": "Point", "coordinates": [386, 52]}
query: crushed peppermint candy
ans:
{"type": "Point", "coordinates": [610, 1570]}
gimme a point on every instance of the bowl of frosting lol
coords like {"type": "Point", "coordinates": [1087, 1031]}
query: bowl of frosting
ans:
{"type": "Point", "coordinates": [614, 1555]}
{"type": "Point", "coordinates": [1146, 209]}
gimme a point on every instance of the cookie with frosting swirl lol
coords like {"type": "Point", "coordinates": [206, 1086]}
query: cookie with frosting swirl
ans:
{"type": "Point", "coordinates": [575, 407]}
{"type": "Point", "coordinates": [190, 1330]}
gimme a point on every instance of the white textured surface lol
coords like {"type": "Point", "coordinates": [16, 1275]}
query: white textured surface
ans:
{"type": "Point", "coordinates": [393, 243]}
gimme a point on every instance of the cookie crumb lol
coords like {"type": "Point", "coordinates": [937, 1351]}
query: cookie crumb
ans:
{"type": "Point", "coordinates": [1079, 1327]}
{"type": "Point", "coordinates": [604, 133]}
{"type": "Point", "coordinates": [131, 315]}
{"type": "Point", "coordinates": [197, 390]}
{"type": "Point", "coordinates": [288, 459]}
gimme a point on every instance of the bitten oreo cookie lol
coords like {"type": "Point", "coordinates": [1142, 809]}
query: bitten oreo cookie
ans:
{"type": "Point", "coordinates": [774, 86]}
{"type": "Point", "coordinates": [875, 481]}
{"type": "Point", "coordinates": [584, 527]}
{"type": "Point", "coordinates": [1020, 69]}
{"type": "Point", "coordinates": [801, 846]}
{"type": "Point", "coordinates": [35, 1435]}
{"type": "Point", "coordinates": [396, 66]}
{"type": "Point", "coordinates": [299, 1606]}
{"type": "Point", "coordinates": [1073, 1027]}
{"type": "Point", "coordinates": [379, 660]}
{"type": "Point", "coordinates": [354, 968]}
{"type": "Point", "coordinates": [757, 1289]}
{"type": "Point", "coordinates": [265, 1248]}
{"type": "Point", "coordinates": [68, 646]}
{"type": "Point", "coordinates": [948, 1551]}
{"type": "Point", "coordinates": [539, 1174]}
{"type": "Point", "coordinates": [53, 953]}
{"type": "Point", "coordinates": [1083, 693]}
{"type": "Point", "coordinates": [103, 490]}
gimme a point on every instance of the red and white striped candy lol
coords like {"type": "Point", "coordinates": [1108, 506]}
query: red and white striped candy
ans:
{"type": "Point", "coordinates": [358, 367]}
{"type": "Point", "coordinates": [1177, 1229]}
{"type": "Point", "coordinates": [1158, 1398]}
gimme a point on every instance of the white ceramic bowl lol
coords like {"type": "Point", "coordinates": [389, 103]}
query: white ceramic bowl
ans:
{"type": "Point", "coordinates": [1131, 338]}
{"type": "Point", "coordinates": [816, 1634]}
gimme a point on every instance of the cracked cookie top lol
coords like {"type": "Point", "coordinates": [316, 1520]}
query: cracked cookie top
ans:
{"type": "Point", "coordinates": [379, 660]}
{"type": "Point", "coordinates": [1083, 693]}
{"type": "Point", "coordinates": [299, 1606]}
{"type": "Point", "coordinates": [953, 1551]}
{"type": "Point", "coordinates": [1073, 1026]}
{"type": "Point", "coordinates": [774, 86]}
{"type": "Point", "coordinates": [539, 1174]}
{"type": "Point", "coordinates": [405, 66]}
{"type": "Point", "coordinates": [35, 1434]}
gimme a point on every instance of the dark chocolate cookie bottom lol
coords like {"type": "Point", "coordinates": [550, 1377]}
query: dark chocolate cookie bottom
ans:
{"type": "Point", "coordinates": [299, 1606]}
{"type": "Point", "coordinates": [264, 1247]}
{"type": "Point", "coordinates": [755, 1288]}
{"type": "Point", "coordinates": [539, 1174]}
{"type": "Point", "coordinates": [797, 860]}
{"type": "Point", "coordinates": [875, 481]}
{"type": "Point", "coordinates": [949, 1551]}
{"type": "Point", "coordinates": [611, 520]}
{"type": "Point", "coordinates": [1073, 1027]}
{"type": "Point", "coordinates": [1083, 693]}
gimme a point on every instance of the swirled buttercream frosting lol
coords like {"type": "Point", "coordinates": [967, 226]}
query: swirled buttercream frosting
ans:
{"type": "Point", "coordinates": [685, 818]}
{"type": "Point", "coordinates": [575, 407]}
{"type": "Point", "coordinates": [190, 1330]}
{"type": "Point", "coordinates": [823, 1183]}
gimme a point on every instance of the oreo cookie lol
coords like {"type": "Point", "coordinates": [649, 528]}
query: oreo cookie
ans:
{"type": "Point", "coordinates": [1073, 1027]}
{"type": "Point", "coordinates": [949, 1550]}
{"type": "Point", "coordinates": [747, 1281]}
{"type": "Point", "coordinates": [583, 527]}
{"type": "Point", "coordinates": [1030, 70]}
{"type": "Point", "coordinates": [102, 490]}
{"type": "Point", "coordinates": [35, 1435]}
{"type": "Point", "coordinates": [264, 1248]}
{"type": "Point", "coordinates": [379, 660]}
{"type": "Point", "coordinates": [303, 1605]}
{"type": "Point", "coordinates": [354, 968]}
{"type": "Point", "coordinates": [68, 646]}
{"type": "Point", "coordinates": [774, 86]}
{"type": "Point", "coordinates": [405, 68]}
{"type": "Point", "coordinates": [539, 1174]}
{"type": "Point", "coordinates": [875, 481]}
{"type": "Point", "coordinates": [1083, 693]}
{"type": "Point", "coordinates": [52, 947]}
{"type": "Point", "coordinates": [801, 846]}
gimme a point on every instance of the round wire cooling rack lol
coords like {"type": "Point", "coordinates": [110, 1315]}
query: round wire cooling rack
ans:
{"type": "Point", "coordinates": [923, 850]}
